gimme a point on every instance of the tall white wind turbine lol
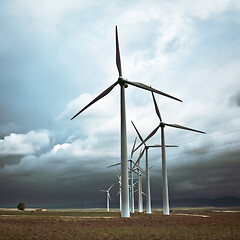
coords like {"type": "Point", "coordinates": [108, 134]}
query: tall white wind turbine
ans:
{"type": "Point", "coordinates": [148, 188]}
{"type": "Point", "coordinates": [108, 196]}
{"type": "Point", "coordinates": [123, 84]}
{"type": "Point", "coordinates": [164, 168]}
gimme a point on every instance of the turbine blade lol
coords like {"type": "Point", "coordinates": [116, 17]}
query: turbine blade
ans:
{"type": "Point", "coordinates": [110, 188]}
{"type": "Point", "coordinates": [103, 190]}
{"type": "Point", "coordinates": [133, 147]}
{"type": "Point", "coordinates": [135, 183]}
{"type": "Point", "coordinates": [118, 59]}
{"type": "Point", "coordinates": [104, 93]}
{"type": "Point", "coordinates": [139, 135]}
{"type": "Point", "coordinates": [153, 146]}
{"type": "Point", "coordinates": [144, 194]}
{"type": "Point", "coordinates": [156, 108]}
{"type": "Point", "coordinates": [135, 171]}
{"type": "Point", "coordinates": [149, 136]}
{"type": "Point", "coordinates": [109, 196]}
{"type": "Point", "coordinates": [143, 86]}
{"type": "Point", "coordinates": [140, 156]}
{"type": "Point", "coordinates": [152, 167]}
{"type": "Point", "coordinates": [114, 165]}
{"type": "Point", "coordinates": [117, 164]}
{"type": "Point", "coordinates": [138, 167]}
{"type": "Point", "coordinates": [182, 127]}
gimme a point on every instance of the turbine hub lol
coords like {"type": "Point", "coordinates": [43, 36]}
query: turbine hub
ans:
{"type": "Point", "coordinates": [162, 124]}
{"type": "Point", "coordinates": [122, 82]}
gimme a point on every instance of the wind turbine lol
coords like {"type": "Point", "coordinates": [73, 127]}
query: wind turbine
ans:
{"type": "Point", "coordinates": [123, 84]}
{"type": "Point", "coordinates": [108, 196]}
{"type": "Point", "coordinates": [146, 147]}
{"type": "Point", "coordinates": [140, 192]}
{"type": "Point", "coordinates": [164, 168]}
{"type": "Point", "coordinates": [131, 177]}
{"type": "Point", "coordinates": [120, 192]}
{"type": "Point", "coordinates": [139, 172]}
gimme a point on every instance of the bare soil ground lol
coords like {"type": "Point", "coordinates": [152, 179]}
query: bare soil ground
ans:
{"type": "Point", "coordinates": [181, 224]}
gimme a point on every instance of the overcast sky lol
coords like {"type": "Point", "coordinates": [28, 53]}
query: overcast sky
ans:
{"type": "Point", "coordinates": [56, 56]}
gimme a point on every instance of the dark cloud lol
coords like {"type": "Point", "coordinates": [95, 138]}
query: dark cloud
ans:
{"type": "Point", "coordinates": [213, 176]}
{"type": "Point", "coordinates": [235, 99]}
{"type": "Point", "coordinates": [10, 160]}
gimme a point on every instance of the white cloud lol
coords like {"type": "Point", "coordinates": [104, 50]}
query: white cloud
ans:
{"type": "Point", "coordinates": [103, 108]}
{"type": "Point", "coordinates": [23, 144]}
{"type": "Point", "coordinates": [42, 16]}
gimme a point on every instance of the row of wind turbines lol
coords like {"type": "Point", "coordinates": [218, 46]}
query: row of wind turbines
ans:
{"type": "Point", "coordinates": [123, 83]}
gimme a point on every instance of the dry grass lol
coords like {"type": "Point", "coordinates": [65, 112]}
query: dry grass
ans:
{"type": "Point", "coordinates": [181, 224]}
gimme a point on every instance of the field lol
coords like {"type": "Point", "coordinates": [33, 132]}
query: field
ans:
{"type": "Point", "coordinates": [76, 224]}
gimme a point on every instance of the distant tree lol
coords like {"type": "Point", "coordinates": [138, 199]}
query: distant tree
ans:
{"type": "Point", "coordinates": [21, 206]}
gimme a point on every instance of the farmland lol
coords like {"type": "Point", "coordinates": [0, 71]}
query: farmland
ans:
{"type": "Point", "coordinates": [76, 224]}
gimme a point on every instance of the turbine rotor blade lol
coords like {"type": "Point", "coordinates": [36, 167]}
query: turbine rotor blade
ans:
{"type": "Point", "coordinates": [152, 167]}
{"type": "Point", "coordinates": [139, 135]}
{"type": "Point", "coordinates": [182, 127]}
{"type": "Point", "coordinates": [117, 164]}
{"type": "Point", "coordinates": [103, 190]}
{"type": "Point", "coordinates": [135, 183]}
{"type": "Point", "coordinates": [109, 196]}
{"type": "Point", "coordinates": [110, 188]}
{"type": "Point", "coordinates": [104, 93]}
{"type": "Point", "coordinates": [118, 59]}
{"type": "Point", "coordinates": [153, 146]}
{"type": "Point", "coordinates": [143, 86]}
{"type": "Point", "coordinates": [114, 165]}
{"type": "Point", "coordinates": [138, 167]}
{"type": "Point", "coordinates": [156, 108]}
{"type": "Point", "coordinates": [140, 156]}
{"type": "Point", "coordinates": [133, 147]}
{"type": "Point", "coordinates": [149, 136]}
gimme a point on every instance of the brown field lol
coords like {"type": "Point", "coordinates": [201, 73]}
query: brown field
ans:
{"type": "Point", "coordinates": [181, 224]}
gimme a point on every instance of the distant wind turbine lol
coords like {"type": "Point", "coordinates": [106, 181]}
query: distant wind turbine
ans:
{"type": "Point", "coordinates": [108, 196]}
{"type": "Point", "coordinates": [131, 178]}
{"type": "Point", "coordinates": [123, 84]}
{"type": "Point", "coordinates": [164, 168]}
{"type": "Point", "coordinates": [139, 172]}
{"type": "Point", "coordinates": [140, 192]}
{"type": "Point", "coordinates": [120, 192]}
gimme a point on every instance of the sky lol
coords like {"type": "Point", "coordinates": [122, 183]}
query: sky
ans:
{"type": "Point", "coordinates": [56, 56]}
